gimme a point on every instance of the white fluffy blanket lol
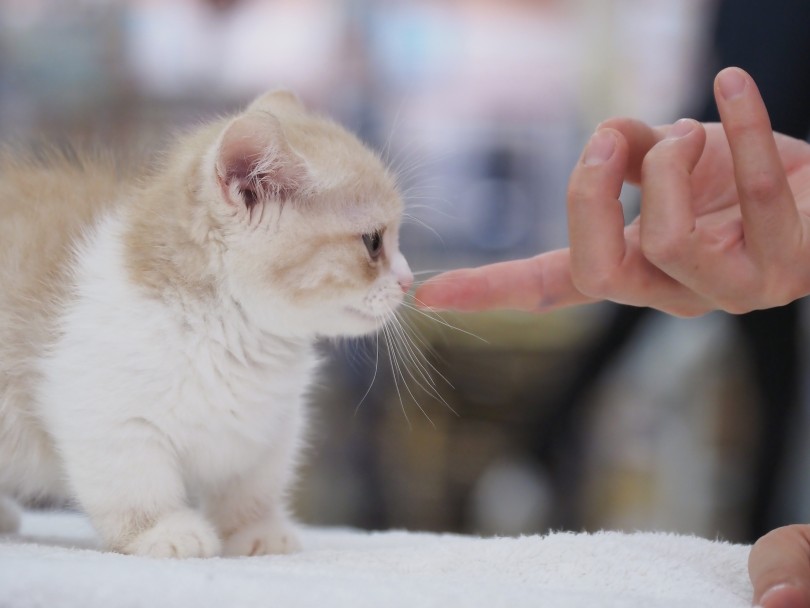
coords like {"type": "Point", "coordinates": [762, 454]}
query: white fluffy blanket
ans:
{"type": "Point", "coordinates": [53, 563]}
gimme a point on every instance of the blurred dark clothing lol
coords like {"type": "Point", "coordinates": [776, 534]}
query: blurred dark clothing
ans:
{"type": "Point", "coordinates": [770, 41]}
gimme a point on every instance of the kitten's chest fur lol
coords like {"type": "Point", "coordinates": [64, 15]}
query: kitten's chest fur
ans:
{"type": "Point", "coordinates": [218, 390]}
{"type": "Point", "coordinates": [233, 392]}
{"type": "Point", "coordinates": [234, 396]}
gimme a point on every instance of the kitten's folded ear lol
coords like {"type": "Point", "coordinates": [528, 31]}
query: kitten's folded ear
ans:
{"type": "Point", "coordinates": [255, 163]}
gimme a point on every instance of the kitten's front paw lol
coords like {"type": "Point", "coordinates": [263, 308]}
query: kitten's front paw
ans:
{"type": "Point", "coordinates": [181, 534]}
{"type": "Point", "coordinates": [263, 538]}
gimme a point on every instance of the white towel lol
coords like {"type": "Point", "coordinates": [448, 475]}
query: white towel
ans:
{"type": "Point", "coordinates": [54, 563]}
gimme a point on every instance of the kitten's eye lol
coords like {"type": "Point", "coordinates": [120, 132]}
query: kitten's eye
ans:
{"type": "Point", "coordinates": [373, 243]}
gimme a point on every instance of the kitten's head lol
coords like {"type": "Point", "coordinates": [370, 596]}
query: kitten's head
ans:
{"type": "Point", "coordinates": [308, 221]}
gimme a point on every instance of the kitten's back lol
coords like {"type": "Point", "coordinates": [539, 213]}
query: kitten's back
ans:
{"type": "Point", "coordinates": [45, 205]}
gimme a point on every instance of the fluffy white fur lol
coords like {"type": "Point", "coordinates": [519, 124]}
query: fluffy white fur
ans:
{"type": "Point", "coordinates": [168, 399]}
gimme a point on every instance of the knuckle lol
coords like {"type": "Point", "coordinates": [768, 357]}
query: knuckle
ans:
{"type": "Point", "coordinates": [648, 164]}
{"type": "Point", "coordinates": [747, 292]}
{"type": "Point", "coordinates": [691, 312]}
{"type": "Point", "coordinates": [686, 312]}
{"type": "Point", "coordinates": [739, 301]}
{"type": "Point", "coordinates": [594, 283]}
{"type": "Point", "coordinates": [734, 306]}
{"type": "Point", "coordinates": [662, 249]}
{"type": "Point", "coordinates": [659, 156]}
{"type": "Point", "coordinates": [579, 190]}
{"type": "Point", "coordinates": [760, 187]}
{"type": "Point", "coordinates": [780, 288]}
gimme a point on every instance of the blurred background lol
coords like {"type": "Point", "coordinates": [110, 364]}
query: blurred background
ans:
{"type": "Point", "coordinates": [596, 417]}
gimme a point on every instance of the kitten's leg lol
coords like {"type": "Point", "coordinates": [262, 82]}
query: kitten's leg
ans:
{"type": "Point", "coordinates": [250, 512]}
{"type": "Point", "coordinates": [252, 517]}
{"type": "Point", "coordinates": [180, 533]}
{"type": "Point", "coordinates": [131, 489]}
{"type": "Point", "coordinates": [9, 516]}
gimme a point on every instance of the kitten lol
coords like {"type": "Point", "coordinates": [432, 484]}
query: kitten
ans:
{"type": "Point", "coordinates": [156, 338]}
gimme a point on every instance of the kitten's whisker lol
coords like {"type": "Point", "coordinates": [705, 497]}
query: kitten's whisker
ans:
{"type": "Point", "coordinates": [425, 360]}
{"type": "Point", "coordinates": [444, 279]}
{"type": "Point", "coordinates": [405, 167]}
{"type": "Point", "coordinates": [414, 355]}
{"type": "Point", "coordinates": [423, 224]}
{"type": "Point", "coordinates": [431, 209]}
{"type": "Point", "coordinates": [367, 357]}
{"type": "Point", "coordinates": [399, 352]}
{"type": "Point", "coordinates": [410, 196]}
{"type": "Point", "coordinates": [394, 363]}
{"type": "Point", "coordinates": [387, 338]}
{"type": "Point", "coordinates": [433, 316]}
{"type": "Point", "coordinates": [414, 333]}
{"type": "Point", "coordinates": [417, 273]}
{"type": "Point", "coordinates": [373, 378]}
{"type": "Point", "coordinates": [403, 365]}
{"type": "Point", "coordinates": [427, 191]}
{"type": "Point", "coordinates": [434, 196]}
{"type": "Point", "coordinates": [411, 338]}
{"type": "Point", "coordinates": [386, 151]}
{"type": "Point", "coordinates": [407, 343]}
{"type": "Point", "coordinates": [408, 163]}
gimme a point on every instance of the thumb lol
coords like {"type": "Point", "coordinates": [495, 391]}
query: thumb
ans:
{"type": "Point", "coordinates": [779, 567]}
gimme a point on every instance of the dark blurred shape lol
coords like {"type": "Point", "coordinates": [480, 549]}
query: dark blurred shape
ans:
{"type": "Point", "coordinates": [223, 5]}
{"type": "Point", "coordinates": [770, 41]}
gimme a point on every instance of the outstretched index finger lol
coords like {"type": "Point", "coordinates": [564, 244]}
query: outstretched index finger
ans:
{"type": "Point", "coordinates": [536, 284]}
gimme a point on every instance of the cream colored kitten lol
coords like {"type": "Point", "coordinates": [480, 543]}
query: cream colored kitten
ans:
{"type": "Point", "coordinates": [156, 338]}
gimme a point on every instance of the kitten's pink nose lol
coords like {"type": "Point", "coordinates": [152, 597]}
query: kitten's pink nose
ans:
{"type": "Point", "coordinates": [400, 268]}
{"type": "Point", "coordinates": [406, 283]}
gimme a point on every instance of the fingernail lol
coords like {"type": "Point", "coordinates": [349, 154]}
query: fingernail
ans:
{"type": "Point", "coordinates": [731, 83]}
{"type": "Point", "coordinates": [681, 128]}
{"type": "Point", "coordinates": [599, 149]}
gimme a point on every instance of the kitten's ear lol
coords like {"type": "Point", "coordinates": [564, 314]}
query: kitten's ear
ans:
{"type": "Point", "coordinates": [255, 163]}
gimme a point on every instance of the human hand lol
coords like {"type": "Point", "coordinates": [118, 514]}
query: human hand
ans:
{"type": "Point", "coordinates": [779, 567]}
{"type": "Point", "coordinates": [724, 223]}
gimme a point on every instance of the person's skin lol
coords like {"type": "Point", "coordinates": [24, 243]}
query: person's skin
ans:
{"type": "Point", "coordinates": [724, 225]}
